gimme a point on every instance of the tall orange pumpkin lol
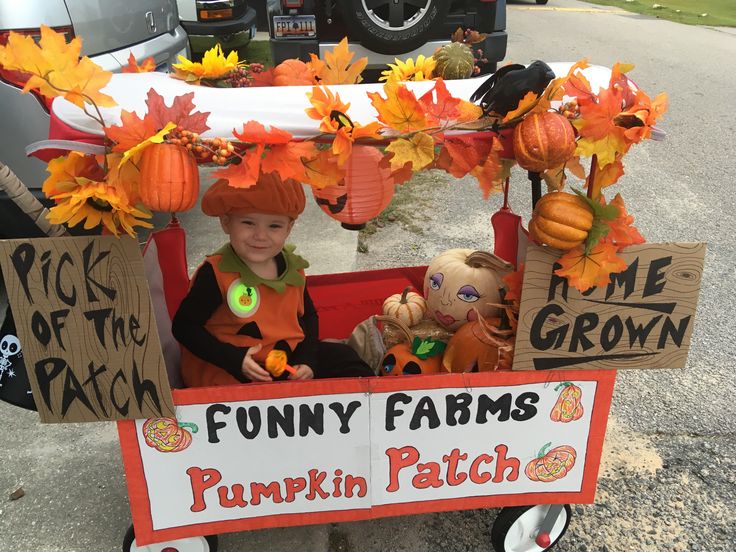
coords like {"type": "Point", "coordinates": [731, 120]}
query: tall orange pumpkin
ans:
{"type": "Point", "coordinates": [543, 140]}
{"type": "Point", "coordinates": [169, 179]}
{"type": "Point", "coordinates": [365, 191]}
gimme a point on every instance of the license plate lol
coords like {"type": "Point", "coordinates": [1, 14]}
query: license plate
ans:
{"type": "Point", "coordinates": [295, 26]}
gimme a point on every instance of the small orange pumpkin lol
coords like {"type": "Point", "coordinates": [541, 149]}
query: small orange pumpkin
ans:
{"type": "Point", "coordinates": [292, 72]}
{"type": "Point", "coordinates": [561, 220]}
{"type": "Point", "coordinates": [543, 140]}
{"type": "Point", "coordinates": [167, 435]}
{"type": "Point", "coordinates": [169, 179]}
{"type": "Point", "coordinates": [568, 407]}
{"type": "Point", "coordinates": [552, 465]}
{"type": "Point", "coordinates": [480, 346]}
{"type": "Point", "coordinates": [408, 306]}
{"type": "Point", "coordinates": [413, 357]}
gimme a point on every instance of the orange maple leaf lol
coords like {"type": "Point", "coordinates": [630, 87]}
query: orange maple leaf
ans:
{"type": "Point", "coordinates": [123, 176]}
{"type": "Point", "coordinates": [514, 282]}
{"type": "Point", "coordinates": [605, 176]}
{"type": "Point", "coordinates": [460, 155]}
{"type": "Point", "coordinates": [179, 113]}
{"type": "Point", "coordinates": [439, 105]}
{"type": "Point", "coordinates": [491, 173]}
{"type": "Point", "coordinates": [337, 66]}
{"type": "Point", "coordinates": [594, 269]}
{"type": "Point", "coordinates": [241, 175]}
{"type": "Point", "coordinates": [526, 104]}
{"type": "Point", "coordinates": [131, 132]}
{"type": "Point", "coordinates": [621, 230]}
{"type": "Point", "coordinates": [400, 175]}
{"type": "Point", "coordinates": [288, 159]}
{"type": "Point", "coordinates": [400, 109]}
{"type": "Point", "coordinates": [148, 65]}
{"type": "Point", "coordinates": [323, 170]}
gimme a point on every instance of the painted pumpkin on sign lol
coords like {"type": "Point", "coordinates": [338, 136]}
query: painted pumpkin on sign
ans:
{"type": "Point", "coordinates": [561, 220]}
{"type": "Point", "coordinates": [414, 356]}
{"type": "Point", "coordinates": [568, 407]}
{"type": "Point", "coordinates": [169, 180]}
{"type": "Point", "coordinates": [167, 435]}
{"type": "Point", "coordinates": [552, 465]}
{"type": "Point", "coordinates": [461, 283]}
{"type": "Point", "coordinates": [408, 306]}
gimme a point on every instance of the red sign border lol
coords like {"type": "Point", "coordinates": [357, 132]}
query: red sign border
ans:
{"type": "Point", "coordinates": [140, 504]}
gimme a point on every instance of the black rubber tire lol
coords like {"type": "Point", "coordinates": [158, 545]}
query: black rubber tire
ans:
{"type": "Point", "coordinates": [130, 537]}
{"type": "Point", "coordinates": [542, 2]}
{"type": "Point", "coordinates": [508, 516]}
{"type": "Point", "coordinates": [385, 41]}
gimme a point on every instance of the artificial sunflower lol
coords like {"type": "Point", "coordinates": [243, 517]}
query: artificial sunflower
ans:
{"type": "Point", "coordinates": [410, 70]}
{"type": "Point", "coordinates": [214, 65]}
{"type": "Point", "coordinates": [97, 203]}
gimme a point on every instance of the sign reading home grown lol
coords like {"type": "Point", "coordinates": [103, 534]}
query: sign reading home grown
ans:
{"type": "Point", "coordinates": [295, 453]}
{"type": "Point", "coordinates": [642, 319]}
{"type": "Point", "coordinates": [84, 317]}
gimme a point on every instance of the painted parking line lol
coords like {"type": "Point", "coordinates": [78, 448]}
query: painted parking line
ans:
{"type": "Point", "coordinates": [552, 8]}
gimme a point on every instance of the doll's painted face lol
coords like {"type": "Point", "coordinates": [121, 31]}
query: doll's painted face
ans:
{"type": "Point", "coordinates": [451, 303]}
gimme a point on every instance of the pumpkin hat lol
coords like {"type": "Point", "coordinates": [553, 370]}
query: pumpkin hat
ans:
{"type": "Point", "coordinates": [270, 195]}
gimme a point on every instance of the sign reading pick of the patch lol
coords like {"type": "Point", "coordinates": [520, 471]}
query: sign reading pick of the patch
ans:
{"type": "Point", "coordinates": [642, 319]}
{"type": "Point", "coordinates": [84, 316]}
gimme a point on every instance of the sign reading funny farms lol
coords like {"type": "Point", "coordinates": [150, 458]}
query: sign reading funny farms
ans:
{"type": "Point", "coordinates": [643, 318]}
{"type": "Point", "coordinates": [85, 321]}
{"type": "Point", "coordinates": [296, 453]}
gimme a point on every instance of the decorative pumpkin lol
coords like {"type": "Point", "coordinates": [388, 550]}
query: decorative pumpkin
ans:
{"type": "Point", "coordinates": [543, 141]}
{"type": "Point", "coordinates": [292, 72]}
{"type": "Point", "coordinates": [568, 407]}
{"type": "Point", "coordinates": [552, 465]}
{"type": "Point", "coordinates": [413, 357]}
{"type": "Point", "coordinates": [169, 180]}
{"type": "Point", "coordinates": [454, 61]}
{"type": "Point", "coordinates": [479, 346]}
{"type": "Point", "coordinates": [408, 306]}
{"type": "Point", "coordinates": [167, 435]}
{"type": "Point", "coordinates": [365, 191]}
{"type": "Point", "coordinates": [461, 283]}
{"type": "Point", "coordinates": [561, 220]}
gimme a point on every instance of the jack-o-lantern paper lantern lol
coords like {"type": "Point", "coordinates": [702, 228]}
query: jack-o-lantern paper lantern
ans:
{"type": "Point", "coordinates": [480, 346]}
{"type": "Point", "coordinates": [365, 191]}
{"type": "Point", "coordinates": [461, 283]}
{"type": "Point", "coordinates": [167, 435]}
{"type": "Point", "coordinates": [552, 465]}
{"type": "Point", "coordinates": [169, 179]}
{"type": "Point", "coordinates": [414, 356]}
{"type": "Point", "coordinates": [568, 407]}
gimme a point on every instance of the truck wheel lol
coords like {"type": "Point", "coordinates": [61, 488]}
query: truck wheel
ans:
{"type": "Point", "coordinates": [542, 2]}
{"type": "Point", "coordinates": [394, 26]}
{"type": "Point", "coordinates": [191, 544]}
{"type": "Point", "coordinates": [516, 528]}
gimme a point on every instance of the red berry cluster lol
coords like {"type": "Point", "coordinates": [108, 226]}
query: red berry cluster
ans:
{"type": "Point", "coordinates": [210, 150]}
{"type": "Point", "coordinates": [241, 76]}
{"type": "Point", "coordinates": [570, 109]}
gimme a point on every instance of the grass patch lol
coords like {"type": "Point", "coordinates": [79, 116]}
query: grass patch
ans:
{"type": "Point", "coordinates": [719, 13]}
{"type": "Point", "coordinates": [257, 51]}
{"type": "Point", "coordinates": [409, 208]}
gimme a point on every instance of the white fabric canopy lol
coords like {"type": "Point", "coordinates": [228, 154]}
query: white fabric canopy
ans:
{"type": "Point", "coordinates": [279, 106]}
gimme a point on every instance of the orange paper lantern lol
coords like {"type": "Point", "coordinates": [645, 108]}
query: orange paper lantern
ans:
{"type": "Point", "coordinates": [365, 191]}
{"type": "Point", "coordinates": [169, 179]}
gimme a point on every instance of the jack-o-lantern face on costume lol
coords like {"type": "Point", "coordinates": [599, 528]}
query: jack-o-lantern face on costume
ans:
{"type": "Point", "coordinates": [460, 283]}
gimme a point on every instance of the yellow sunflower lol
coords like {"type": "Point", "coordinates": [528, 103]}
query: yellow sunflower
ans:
{"type": "Point", "coordinates": [97, 203]}
{"type": "Point", "coordinates": [213, 66]}
{"type": "Point", "coordinates": [410, 70]}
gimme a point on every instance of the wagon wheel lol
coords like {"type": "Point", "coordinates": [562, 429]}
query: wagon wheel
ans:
{"type": "Point", "coordinates": [516, 529]}
{"type": "Point", "coordinates": [191, 544]}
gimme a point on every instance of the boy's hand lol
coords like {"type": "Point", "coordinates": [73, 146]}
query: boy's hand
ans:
{"type": "Point", "coordinates": [303, 372]}
{"type": "Point", "coordinates": [251, 369]}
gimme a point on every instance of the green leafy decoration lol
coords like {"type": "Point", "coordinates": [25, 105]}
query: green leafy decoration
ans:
{"type": "Point", "coordinates": [426, 348]}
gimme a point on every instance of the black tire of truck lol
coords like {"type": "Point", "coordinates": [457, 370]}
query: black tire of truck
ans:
{"type": "Point", "coordinates": [542, 2]}
{"type": "Point", "coordinates": [373, 31]}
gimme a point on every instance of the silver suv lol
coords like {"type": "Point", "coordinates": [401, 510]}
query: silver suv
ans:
{"type": "Point", "coordinates": [110, 31]}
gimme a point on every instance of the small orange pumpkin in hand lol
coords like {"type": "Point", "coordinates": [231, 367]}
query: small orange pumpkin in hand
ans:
{"type": "Point", "coordinates": [561, 220]}
{"type": "Point", "coordinates": [543, 141]}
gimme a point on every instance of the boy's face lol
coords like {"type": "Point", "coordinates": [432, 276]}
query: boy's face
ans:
{"type": "Point", "coordinates": [256, 237]}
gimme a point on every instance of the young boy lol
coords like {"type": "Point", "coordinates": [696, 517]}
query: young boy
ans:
{"type": "Point", "coordinates": [249, 297]}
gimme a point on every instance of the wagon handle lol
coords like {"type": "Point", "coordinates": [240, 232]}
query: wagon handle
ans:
{"type": "Point", "coordinates": [24, 199]}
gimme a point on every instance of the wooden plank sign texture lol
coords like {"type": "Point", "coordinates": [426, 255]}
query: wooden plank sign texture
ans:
{"type": "Point", "coordinates": [642, 319]}
{"type": "Point", "coordinates": [84, 316]}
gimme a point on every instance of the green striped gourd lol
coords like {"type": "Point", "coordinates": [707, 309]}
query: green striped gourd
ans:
{"type": "Point", "coordinates": [454, 61]}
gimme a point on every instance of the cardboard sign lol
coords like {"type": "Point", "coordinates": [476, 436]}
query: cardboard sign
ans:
{"type": "Point", "coordinates": [297, 453]}
{"type": "Point", "coordinates": [642, 319]}
{"type": "Point", "coordinates": [84, 318]}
